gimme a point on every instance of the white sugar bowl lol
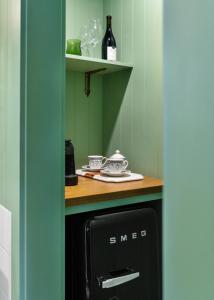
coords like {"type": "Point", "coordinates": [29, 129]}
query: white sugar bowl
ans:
{"type": "Point", "coordinates": [116, 163]}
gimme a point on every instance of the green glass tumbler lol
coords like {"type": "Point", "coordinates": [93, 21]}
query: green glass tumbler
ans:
{"type": "Point", "coordinates": [73, 47]}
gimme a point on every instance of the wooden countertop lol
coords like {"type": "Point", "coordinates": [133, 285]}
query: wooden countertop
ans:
{"type": "Point", "coordinates": [91, 191]}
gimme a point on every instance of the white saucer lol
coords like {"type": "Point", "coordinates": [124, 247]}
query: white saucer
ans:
{"type": "Point", "coordinates": [87, 168]}
{"type": "Point", "coordinates": [116, 174]}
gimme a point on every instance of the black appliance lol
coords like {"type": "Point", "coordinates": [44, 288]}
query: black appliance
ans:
{"type": "Point", "coordinates": [70, 177]}
{"type": "Point", "coordinates": [115, 257]}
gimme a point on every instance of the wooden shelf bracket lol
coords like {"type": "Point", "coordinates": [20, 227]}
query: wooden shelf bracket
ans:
{"type": "Point", "coordinates": [88, 80]}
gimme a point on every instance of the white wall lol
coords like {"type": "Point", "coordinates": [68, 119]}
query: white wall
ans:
{"type": "Point", "coordinates": [5, 253]}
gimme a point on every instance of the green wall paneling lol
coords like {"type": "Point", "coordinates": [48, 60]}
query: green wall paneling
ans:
{"type": "Point", "coordinates": [115, 97]}
{"type": "Point", "coordinates": [78, 13]}
{"type": "Point", "coordinates": [10, 124]}
{"type": "Point", "coordinates": [111, 203]}
{"type": "Point", "coordinates": [189, 149]}
{"type": "Point", "coordinates": [83, 119]}
{"type": "Point", "coordinates": [136, 128]}
{"type": "Point", "coordinates": [84, 116]}
{"type": "Point", "coordinates": [42, 150]}
{"type": "Point", "coordinates": [131, 102]}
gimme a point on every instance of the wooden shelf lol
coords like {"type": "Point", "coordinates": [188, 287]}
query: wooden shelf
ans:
{"type": "Point", "coordinates": [89, 64]}
{"type": "Point", "coordinates": [91, 191]}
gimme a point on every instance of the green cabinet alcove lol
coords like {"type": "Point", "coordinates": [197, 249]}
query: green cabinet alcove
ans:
{"type": "Point", "coordinates": [124, 109]}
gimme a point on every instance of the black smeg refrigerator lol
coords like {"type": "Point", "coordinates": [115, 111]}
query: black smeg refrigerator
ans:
{"type": "Point", "coordinates": [114, 257]}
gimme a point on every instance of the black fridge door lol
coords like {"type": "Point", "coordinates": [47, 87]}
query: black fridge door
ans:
{"type": "Point", "coordinates": [122, 256]}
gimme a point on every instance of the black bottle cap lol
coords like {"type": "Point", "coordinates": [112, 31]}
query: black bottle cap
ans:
{"type": "Point", "coordinates": [108, 20]}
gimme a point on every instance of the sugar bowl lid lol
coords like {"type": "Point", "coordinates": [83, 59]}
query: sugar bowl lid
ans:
{"type": "Point", "coordinates": [117, 156]}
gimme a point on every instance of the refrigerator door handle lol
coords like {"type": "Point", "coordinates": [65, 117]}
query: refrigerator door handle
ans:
{"type": "Point", "coordinates": [114, 281]}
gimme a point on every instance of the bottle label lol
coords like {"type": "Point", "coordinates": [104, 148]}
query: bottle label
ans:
{"type": "Point", "coordinates": [111, 53]}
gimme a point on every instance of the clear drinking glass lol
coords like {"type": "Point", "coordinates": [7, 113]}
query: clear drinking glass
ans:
{"type": "Point", "coordinates": [95, 34]}
{"type": "Point", "coordinates": [91, 35]}
{"type": "Point", "coordinates": [85, 40]}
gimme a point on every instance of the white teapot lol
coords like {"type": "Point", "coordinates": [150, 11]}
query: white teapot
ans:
{"type": "Point", "coordinates": [116, 163]}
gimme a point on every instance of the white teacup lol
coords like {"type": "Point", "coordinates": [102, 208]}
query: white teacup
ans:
{"type": "Point", "coordinates": [116, 166]}
{"type": "Point", "coordinates": [95, 162]}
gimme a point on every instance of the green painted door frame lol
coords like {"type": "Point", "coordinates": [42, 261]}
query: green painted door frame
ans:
{"type": "Point", "coordinates": [32, 143]}
{"type": "Point", "coordinates": [189, 150]}
{"type": "Point", "coordinates": [42, 150]}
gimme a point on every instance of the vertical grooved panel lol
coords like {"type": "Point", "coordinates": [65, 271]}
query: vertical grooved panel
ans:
{"type": "Point", "coordinates": [133, 103]}
{"type": "Point", "coordinates": [83, 122]}
{"type": "Point", "coordinates": [10, 21]}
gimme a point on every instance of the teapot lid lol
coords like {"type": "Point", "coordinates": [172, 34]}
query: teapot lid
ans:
{"type": "Point", "coordinates": [117, 155]}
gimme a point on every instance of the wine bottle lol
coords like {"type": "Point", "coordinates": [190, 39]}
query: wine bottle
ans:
{"type": "Point", "coordinates": [109, 48]}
